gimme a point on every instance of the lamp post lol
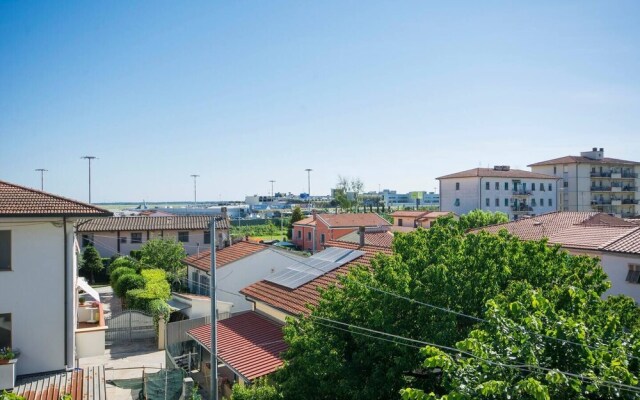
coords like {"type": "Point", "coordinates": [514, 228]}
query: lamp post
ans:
{"type": "Point", "coordinates": [89, 158]}
{"type": "Point", "coordinates": [272, 193]}
{"type": "Point", "coordinates": [195, 192]}
{"type": "Point", "coordinates": [42, 171]}
{"type": "Point", "coordinates": [309, 185]}
{"type": "Point", "coordinates": [213, 390]}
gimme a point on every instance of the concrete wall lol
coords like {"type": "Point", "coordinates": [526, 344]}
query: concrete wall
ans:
{"type": "Point", "coordinates": [33, 292]}
{"type": "Point", "coordinates": [107, 242]}
{"type": "Point", "coordinates": [235, 276]}
{"type": "Point", "coordinates": [616, 266]}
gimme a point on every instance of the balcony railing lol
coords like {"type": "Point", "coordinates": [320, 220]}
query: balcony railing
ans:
{"type": "Point", "coordinates": [600, 202]}
{"type": "Point", "coordinates": [629, 175]}
{"type": "Point", "coordinates": [629, 189]}
{"type": "Point", "coordinates": [629, 201]}
{"type": "Point", "coordinates": [600, 188]}
{"type": "Point", "coordinates": [521, 192]}
{"type": "Point", "coordinates": [521, 209]}
{"type": "Point", "coordinates": [601, 174]}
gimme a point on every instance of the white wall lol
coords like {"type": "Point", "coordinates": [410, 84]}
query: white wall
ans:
{"type": "Point", "coordinates": [616, 267]}
{"type": "Point", "coordinates": [468, 195]}
{"type": "Point", "coordinates": [237, 275]}
{"type": "Point", "coordinates": [33, 292]}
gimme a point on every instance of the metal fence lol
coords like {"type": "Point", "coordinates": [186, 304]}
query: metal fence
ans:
{"type": "Point", "coordinates": [129, 326]}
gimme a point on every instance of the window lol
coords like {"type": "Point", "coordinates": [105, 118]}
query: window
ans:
{"type": "Point", "coordinates": [533, 202]}
{"type": "Point", "coordinates": [533, 187]}
{"type": "Point", "coordinates": [542, 187]}
{"type": "Point", "coordinates": [633, 276]}
{"type": "Point", "coordinates": [506, 186]}
{"type": "Point", "coordinates": [5, 330]}
{"type": "Point", "coordinates": [207, 237]}
{"type": "Point", "coordinates": [183, 236]}
{"type": "Point", "coordinates": [565, 184]}
{"type": "Point", "coordinates": [550, 187]}
{"type": "Point", "coordinates": [486, 202]}
{"type": "Point", "coordinates": [5, 251]}
{"type": "Point", "coordinates": [87, 240]}
{"type": "Point", "coordinates": [497, 185]}
{"type": "Point", "coordinates": [322, 238]}
{"type": "Point", "coordinates": [204, 285]}
{"type": "Point", "coordinates": [299, 234]}
{"type": "Point", "coordinates": [457, 203]}
{"type": "Point", "coordinates": [122, 239]}
{"type": "Point", "coordinates": [550, 203]}
{"type": "Point", "coordinates": [136, 237]}
{"type": "Point", "coordinates": [457, 185]}
{"type": "Point", "coordinates": [524, 186]}
{"type": "Point", "coordinates": [506, 202]}
{"type": "Point", "coordinates": [554, 170]}
{"type": "Point", "coordinates": [399, 221]}
{"type": "Point", "coordinates": [194, 281]}
{"type": "Point", "coordinates": [309, 235]}
{"type": "Point", "coordinates": [497, 202]}
{"type": "Point", "coordinates": [487, 186]}
{"type": "Point", "coordinates": [541, 202]}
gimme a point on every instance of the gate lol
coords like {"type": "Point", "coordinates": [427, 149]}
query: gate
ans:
{"type": "Point", "coordinates": [129, 326]}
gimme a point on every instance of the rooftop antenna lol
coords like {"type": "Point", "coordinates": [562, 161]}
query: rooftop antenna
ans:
{"type": "Point", "coordinates": [195, 192]}
{"type": "Point", "coordinates": [42, 171]}
{"type": "Point", "coordinates": [89, 158]}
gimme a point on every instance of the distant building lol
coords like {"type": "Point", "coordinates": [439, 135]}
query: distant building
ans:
{"type": "Point", "coordinates": [311, 233]}
{"type": "Point", "coordinates": [410, 220]}
{"type": "Point", "coordinates": [593, 182]}
{"type": "Point", "coordinates": [120, 235]}
{"type": "Point", "coordinates": [514, 192]}
{"type": "Point", "coordinates": [392, 198]}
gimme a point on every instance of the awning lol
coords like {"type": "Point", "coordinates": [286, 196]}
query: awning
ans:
{"type": "Point", "coordinates": [84, 285]}
{"type": "Point", "coordinates": [177, 305]}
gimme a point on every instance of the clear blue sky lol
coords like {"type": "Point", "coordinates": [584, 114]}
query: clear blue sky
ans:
{"type": "Point", "coordinates": [241, 92]}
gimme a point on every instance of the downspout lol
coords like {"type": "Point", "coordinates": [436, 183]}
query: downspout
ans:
{"type": "Point", "coordinates": [480, 194]}
{"type": "Point", "coordinates": [66, 293]}
{"type": "Point", "coordinates": [118, 240]}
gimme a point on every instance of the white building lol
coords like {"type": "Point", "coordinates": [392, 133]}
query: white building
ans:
{"type": "Point", "coordinates": [38, 276]}
{"type": "Point", "coordinates": [593, 182]}
{"type": "Point", "coordinates": [120, 235]}
{"type": "Point", "coordinates": [238, 266]}
{"type": "Point", "coordinates": [514, 192]}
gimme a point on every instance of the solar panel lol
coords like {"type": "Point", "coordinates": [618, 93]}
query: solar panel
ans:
{"type": "Point", "coordinates": [306, 270]}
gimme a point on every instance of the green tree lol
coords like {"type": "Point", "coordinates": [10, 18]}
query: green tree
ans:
{"type": "Point", "coordinates": [118, 272]}
{"type": "Point", "coordinates": [91, 262]}
{"type": "Point", "coordinates": [261, 389]}
{"type": "Point", "coordinates": [128, 282]}
{"type": "Point", "coordinates": [296, 215]}
{"type": "Point", "coordinates": [441, 267]}
{"type": "Point", "coordinates": [480, 218]}
{"type": "Point", "coordinates": [166, 254]}
{"type": "Point", "coordinates": [125, 261]}
{"type": "Point", "coordinates": [346, 185]}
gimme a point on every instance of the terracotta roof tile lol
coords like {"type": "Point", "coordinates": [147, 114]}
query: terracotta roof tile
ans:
{"type": "Point", "coordinates": [492, 173]}
{"type": "Point", "coordinates": [225, 256]}
{"type": "Point", "coordinates": [172, 223]}
{"type": "Point", "coordinates": [409, 214]}
{"type": "Point", "coordinates": [580, 159]}
{"type": "Point", "coordinates": [627, 244]}
{"type": "Point", "coordinates": [249, 343]}
{"type": "Point", "coordinates": [294, 301]}
{"type": "Point", "coordinates": [380, 239]}
{"type": "Point", "coordinates": [20, 201]}
{"type": "Point", "coordinates": [347, 220]}
{"type": "Point", "coordinates": [579, 230]}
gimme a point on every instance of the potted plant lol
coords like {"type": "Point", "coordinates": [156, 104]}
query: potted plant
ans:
{"type": "Point", "coordinates": [8, 358]}
{"type": "Point", "coordinates": [82, 300]}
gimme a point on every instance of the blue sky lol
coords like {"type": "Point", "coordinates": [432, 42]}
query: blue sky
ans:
{"type": "Point", "coordinates": [241, 92]}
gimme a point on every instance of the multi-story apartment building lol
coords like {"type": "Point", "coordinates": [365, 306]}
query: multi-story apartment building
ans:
{"type": "Point", "coordinates": [514, 192]}
{"type": "Point", "coordinates": [593, 182]}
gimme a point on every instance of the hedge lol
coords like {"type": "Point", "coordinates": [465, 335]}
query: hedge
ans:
{"type": "Point", "coordinates": [123, 262]}
{"type": "Point", "coordinates": [128, 282]}
{"type": "Point", "coordinates": [118, 272]}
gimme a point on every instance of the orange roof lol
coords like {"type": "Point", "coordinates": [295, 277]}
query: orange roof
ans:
{"type": "Point", "coordinates": [580, 159]}
{"type": "Point", "coordinates": [347, 220]}
{"type": "Point", "coordinates": [225, 256]}
{"type": "Point", "coordinates": [578, 230]}
{"type": "Point", "coordinates": [627, 244]}
{"type": "Point", "coordinates": [436, 214]}
{"type": "Point", "coordinates": [409, 214]}
{"type": "Point", "coordinates": [20, 201]}
{"type": "Point", "coordinates": [248, 343]}
{"type": "Point", "coordinates": [381, 239]}
{"type": "Point", "coordinates": [294, 301]}
{"type": "Point", "coordinates": [151, 223]}
{"type": "Point", "coordinates": [492, 173]}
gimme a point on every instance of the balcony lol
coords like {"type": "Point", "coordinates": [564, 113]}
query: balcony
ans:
{"type": "Point", "coordinates": [602, 202]}
{"type": "Point", "coordinates": [521, 192]}
{"type": "Point", "coordinates": [600, 188]}
{"type": "Point", "coordinates": [629, 175]}
{"type": "Point", "coordinates": [602, 174]}
{"type": "Point", "coordinates": [629, 201]}
{"type": "Point", "coordinates": [629, 189]}
{"type": "Point", "coordinates": [521, 209]}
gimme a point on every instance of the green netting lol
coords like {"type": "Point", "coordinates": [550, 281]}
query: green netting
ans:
{"type": "Point", "coordinates": [163, 385]}
{"type": "Point", "coordinates": [133, 383]}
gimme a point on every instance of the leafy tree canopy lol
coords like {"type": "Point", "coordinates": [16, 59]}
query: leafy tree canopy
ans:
{"type": "Point", "coordinates": [506, 294]}
{"type": "Point", "coordinates": [480, 218]}
{"type": "Point", "coordinates": [296, 215]}
{"type": "Point", "coordinates": [165, 254]}
{"type": "Point", "coordinates": [91, 261]}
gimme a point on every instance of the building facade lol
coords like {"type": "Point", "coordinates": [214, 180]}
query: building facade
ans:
{"type": "Point", "coordinates": [593, 182]}
{"type": "Point", "coordinates": [514, 192]}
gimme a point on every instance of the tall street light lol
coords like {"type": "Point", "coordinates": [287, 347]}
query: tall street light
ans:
{"type": "Point", "coordinates": [309, 184]}
{"type": "Point", "coordinates": [42, 171]}
{"type": "Point", "coordinates": [195, 197]}
{"type": "Point", "coordinates": [89, 158]}
{"type": "Point", "coordinates": [272, 194]}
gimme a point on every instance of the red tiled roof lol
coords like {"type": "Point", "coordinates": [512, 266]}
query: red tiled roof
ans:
{"type": "Point", "coordinates": [409, 214]}
{"type": "Point", "coordinates": [20, 201]}
{"type": "Point", "coordinates": [627, 244]}
{"type": "Point", "coordinates": [347, 220]}
{"type": "Point", "coordinates": [380, 239]}
{"type": "Point", "coordinates": [158, 223]}
{"type": "Point", "coordinates": [402, 229]}
{"type": "Point", "coordinates": [294, 301]}
{"type": "Point", "coordinates": [436, 214]}
{"type": "Point", "coordinates": [580, 159]}
{"type": "Point", "coordinates": [492, 173]}
{"type": "Point", "coordinates": [225, 256]}
{"type": "Point", "coordinates": [579, 230]}
{"type": "Point", "coordinates": [249, 343]}
{"type": "Point", "coordinates": [306, 221]}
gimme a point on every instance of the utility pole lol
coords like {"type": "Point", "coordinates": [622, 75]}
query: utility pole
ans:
{"type": "Point", "coordinates": [272, 193]}
{"type": "Point", "coordinates": [195, 193]}
{"type": "Point", "coordinates": [213, 390]}
{"type": "Point", "coordinates": [309, 185]}
{"type": "Point", "coordinates": [42, 171]}
{"type": "Point", "coordinates": [89, 158]}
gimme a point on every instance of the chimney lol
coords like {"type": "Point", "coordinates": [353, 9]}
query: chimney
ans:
{"type": "Point", "coordinates": [223, 210]}
{"type": "Point", "coordinates": [314, 214]}
{"type": "Point", "coordinates": [594, 149]}
{"type": "Point", "coordinates": [601, 149]}
{"type": "Point", "coordinates": [361, 234]}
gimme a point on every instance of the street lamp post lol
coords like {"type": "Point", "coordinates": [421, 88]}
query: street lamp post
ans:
{"type": "Point", "coordinates": [89, 158]}
{"type": "Point", "coordinates": [42, 171]}
{"type": "Point", "coordinates": [309, 185]}
{"type": "Point", "coordinates": [272, 193]}
{"type": "Point", "coordinates": [195, 192]}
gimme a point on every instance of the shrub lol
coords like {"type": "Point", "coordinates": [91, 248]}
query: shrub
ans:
{"type": "Point", "coordinates": [260, 390]}
{"type": "Point", "coordinates": [128, 282]}
{"type": "Point", "coordinates": [127, 262]}
{"type": "Point", "coordinates": [135, 254]}
{"type": "Point", "coordinates": [156, 283]}
{"type": "Point", "coordinates": [118, 272]}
